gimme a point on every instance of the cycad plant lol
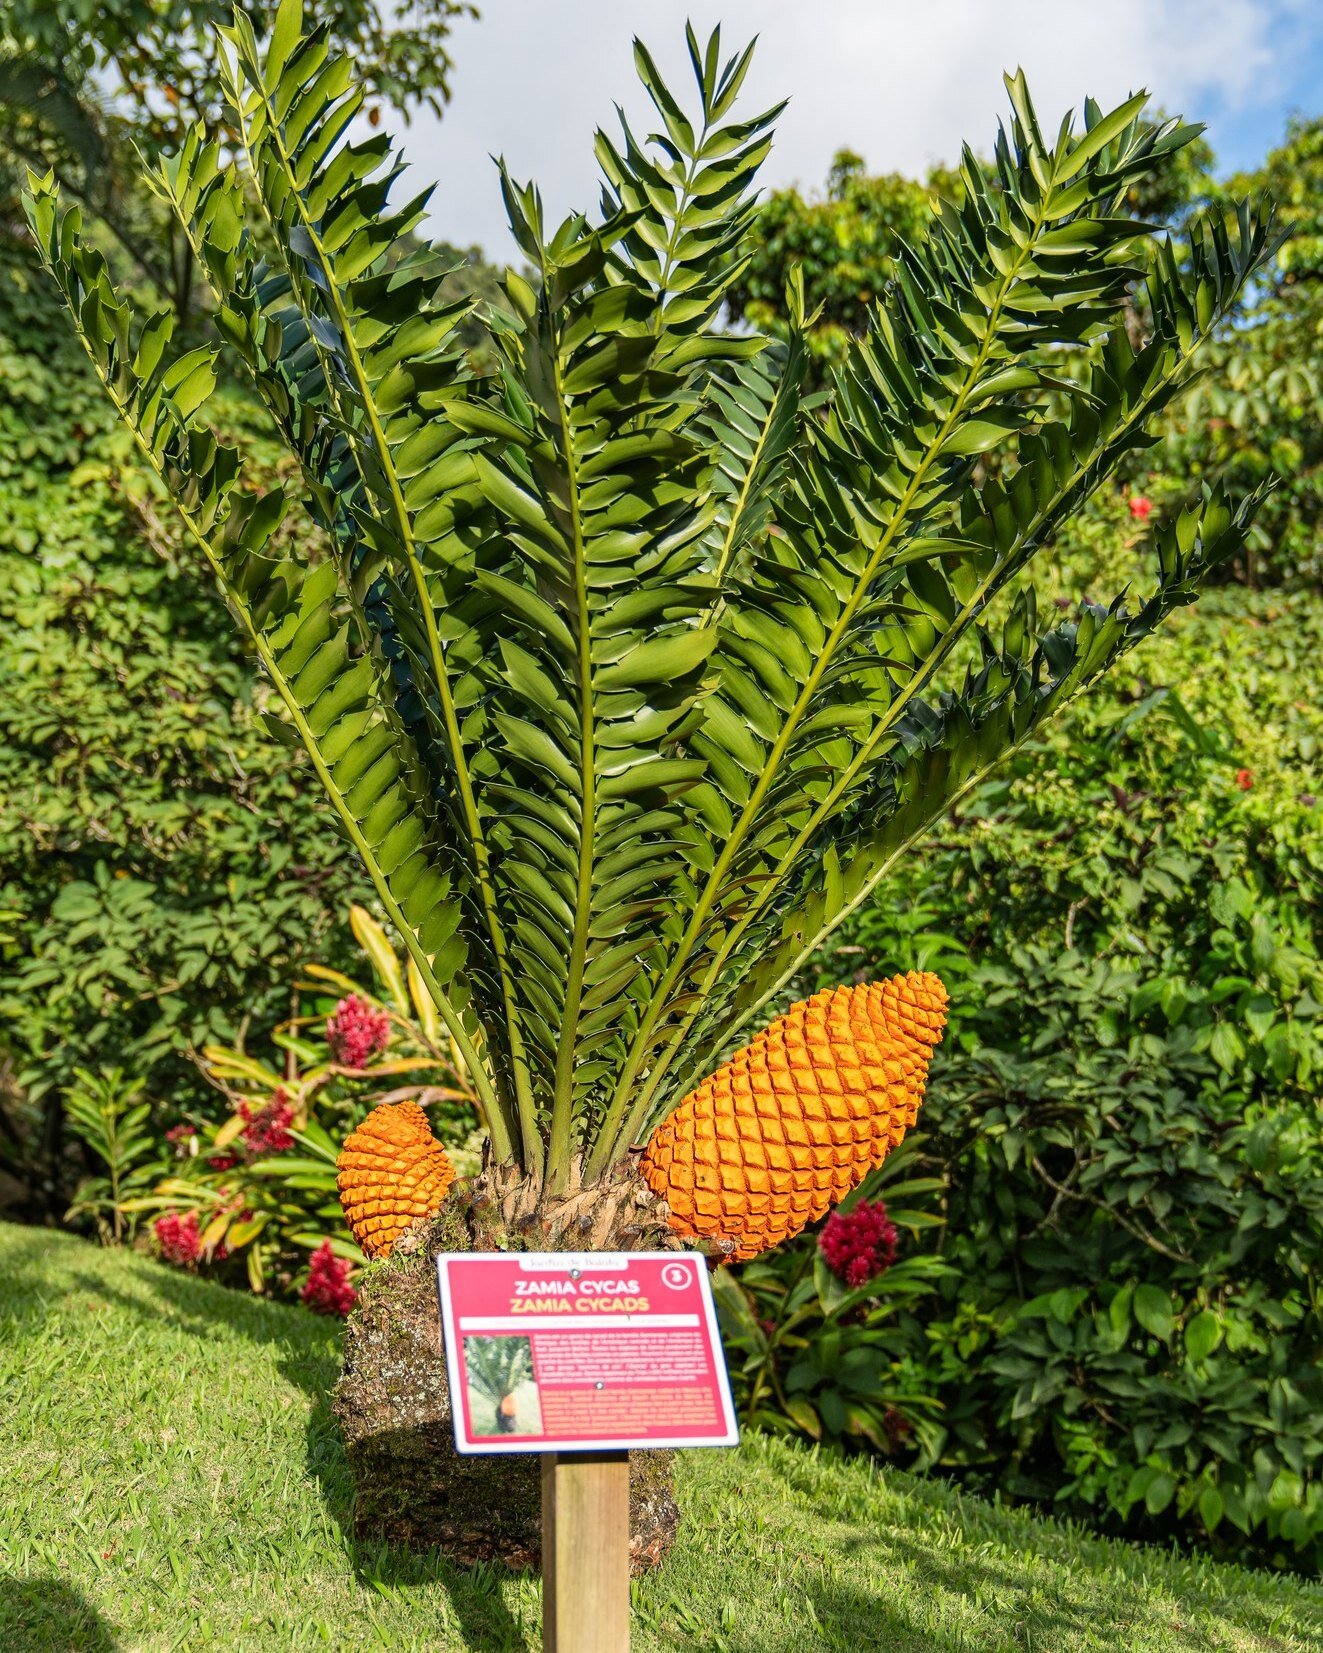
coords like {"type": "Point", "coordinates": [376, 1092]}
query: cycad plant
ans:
{"type": "Point", "coordinates": [631, 669]}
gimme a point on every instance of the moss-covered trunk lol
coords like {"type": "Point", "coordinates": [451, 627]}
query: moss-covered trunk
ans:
{"type": "Point", "coordinates": [393, 1398]}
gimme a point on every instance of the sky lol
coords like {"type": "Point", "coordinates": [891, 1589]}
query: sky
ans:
{"type": "Point", "coordinates": [902, 82]}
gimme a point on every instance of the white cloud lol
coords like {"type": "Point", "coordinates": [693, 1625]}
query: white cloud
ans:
{"type": "Point", "coordinates": [901, 81]}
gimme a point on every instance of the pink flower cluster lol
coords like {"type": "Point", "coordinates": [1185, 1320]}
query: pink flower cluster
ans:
{"type": "Point", "coordinates": [266, 1129]}
{"type": "Point", "coordinates": [356, 1032]}
{"type": "Point", "coordinates": [1141, 507]}
{"type": "Point", "coordinates": [328, 1290]}
{"type": "Point", "coordinates": [181, 1136]}
{"type": "Point", "coordinates": [859, 1244]}
{"type": "Point", "coordinates": [178, 1238]}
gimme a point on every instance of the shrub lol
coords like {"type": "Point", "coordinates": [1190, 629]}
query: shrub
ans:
{"type": "Point", "coordinates": [162, 870]}
{"type": "Point", "coordinates": [1138, 1246]}
{"type": "Point", "coordinates": [1125, 1114]}
{"type": "Point", "coordinates": [814, 1354]}
{"type": "Point", "coordinates": [619, 670]}
{"type": "Point", "coordinates": [252, 1194]}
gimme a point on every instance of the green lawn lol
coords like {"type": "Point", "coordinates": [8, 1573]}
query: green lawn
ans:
{"type": "Point", "coordinates": [170, 1478]}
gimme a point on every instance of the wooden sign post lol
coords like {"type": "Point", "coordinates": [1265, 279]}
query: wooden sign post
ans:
{"type": "Point", "coordinates": [583, 1356]}
{"type": "Point", "coordinates": [585, 1552]}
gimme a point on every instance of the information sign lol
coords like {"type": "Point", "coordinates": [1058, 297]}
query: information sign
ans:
{"type": "Point", "coordinates": [580, 1352]}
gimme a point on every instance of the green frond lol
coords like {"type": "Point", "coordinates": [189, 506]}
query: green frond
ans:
{"type": "Point", "coordinates": [290, 609]}
{"type": "Point", "coordinates": [942, 752]}
{"type": "Point", "coordinates": [890, 543]}
{"type": "Point", "coordinates": [752, 423]}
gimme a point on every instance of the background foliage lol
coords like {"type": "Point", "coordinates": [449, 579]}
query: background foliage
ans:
{"type": "Point", "coordinates": [1125, 1115]}
{"type": "Point", "coordinates": [161, 863]}
{"type": "Point", "coordinates": [257, 1184]}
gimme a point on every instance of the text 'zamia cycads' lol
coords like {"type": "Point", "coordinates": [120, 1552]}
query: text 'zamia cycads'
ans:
{"type": "Point", "coordinates": [631, 668]}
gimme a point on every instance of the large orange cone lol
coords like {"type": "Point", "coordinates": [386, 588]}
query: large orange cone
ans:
{"type": "Point", "coordinates": [786, 1128]}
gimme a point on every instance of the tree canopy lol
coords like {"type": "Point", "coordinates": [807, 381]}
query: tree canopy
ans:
{"type": "Point", "coordinates": [85, 85]}
{"type": "Point", "coordinates": [162, 53]}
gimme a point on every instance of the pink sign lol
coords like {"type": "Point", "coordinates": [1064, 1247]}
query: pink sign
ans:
{"type": "Point", "coordinates": [571, 1352]}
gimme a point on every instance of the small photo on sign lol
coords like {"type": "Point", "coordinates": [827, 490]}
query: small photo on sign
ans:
{"type": "Point", "coordinates": [502, 1392]}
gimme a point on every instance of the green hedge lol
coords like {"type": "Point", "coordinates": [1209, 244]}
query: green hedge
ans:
{"type": "Point", "coordinates": [163, 866]}
{"type": "Point", "coordinates": [1126, 1110]}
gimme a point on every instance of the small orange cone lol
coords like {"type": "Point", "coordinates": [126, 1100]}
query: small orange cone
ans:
{"type": "Point", "coordinates": [390, 1172]}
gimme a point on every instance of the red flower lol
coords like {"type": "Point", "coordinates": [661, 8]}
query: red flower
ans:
{"type": "Point", "coordinates": [357, 1032]}
{"type": "Point", "coordinates": [223, 1162]}
{"type": "Point", "coordinates": [1244, 779]}
{"type": "Point", "coordinates": [328, 1290]}
{"type": "Point", "coordinates": [181, 1136]}
{"type": "Point", "coordinates": [178, 1238]}
{"type": "Point", "coordinates": [1141, 507]}
{"type": "Point", "coordinates": [266, 1131]}
{"type": "Point", "coordinates": [860, 1244]}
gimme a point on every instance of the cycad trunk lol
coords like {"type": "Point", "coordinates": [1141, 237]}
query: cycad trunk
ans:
{"type": "Point", "coordinates": [393, 1399]}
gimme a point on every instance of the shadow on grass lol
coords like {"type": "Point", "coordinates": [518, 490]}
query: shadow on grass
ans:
{"type": "Point", "coordinates": [27, 1295]}
{"type": "Point", "coordinates": [308, 1356]}
{"type": "Point", "coordinates": [45, 1615]}
{"type": "Point", "coordinates": [1094, 1590]}
{"type": "Point", "coordinates": [1134, 1581]}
